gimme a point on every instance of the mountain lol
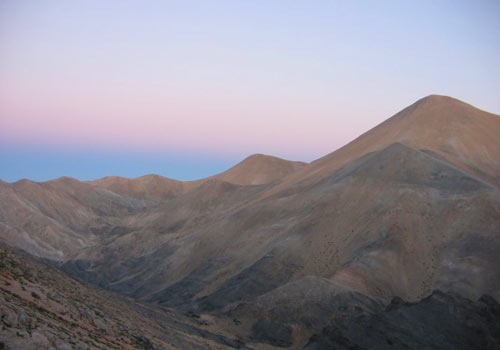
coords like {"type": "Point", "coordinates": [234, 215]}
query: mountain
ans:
{"type": "Point", "coordinates": [259, 169]}
{"type": "Point", "coordinates": [58, 218]}
{"type": "Point", "coordinates": [461, 134]}
{"type": "Point", "coordinates": [148, 186]}
{"type": "Point", "coordinates": [276, 252]}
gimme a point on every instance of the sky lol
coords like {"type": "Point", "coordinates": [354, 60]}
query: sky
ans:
{"type": "Point", "coordinates": [186, 89]}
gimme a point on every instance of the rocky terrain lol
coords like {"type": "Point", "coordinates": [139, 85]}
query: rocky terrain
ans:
{"type": "Point", "coordinates": [42, 308]}
{"type": "Point", "coordinates": [400, 224]}
{"type": "Point", "coordinates": [440, 321]}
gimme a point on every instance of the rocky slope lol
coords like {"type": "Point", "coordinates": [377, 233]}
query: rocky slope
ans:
{"type": "Point", "coordinates": [440, 321]}
{"type": "Point", "coordinates": [42, 308]}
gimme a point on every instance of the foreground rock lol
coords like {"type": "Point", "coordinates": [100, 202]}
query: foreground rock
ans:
{"type": "Point", "coordinates": [42, 308]}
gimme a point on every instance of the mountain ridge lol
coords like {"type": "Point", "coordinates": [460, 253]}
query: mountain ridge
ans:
{"type": "Point", "coordinates": [409, 207]}
{"type": "Point", "coordinates": [421, 126]}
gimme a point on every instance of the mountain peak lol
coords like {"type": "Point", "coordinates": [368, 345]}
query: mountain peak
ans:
{"type": "Point", "coordinates": [434, 98]}
{"type": "Point", "coordinates": [151, 177]}
{"type": "Point", "coordinates": [259, 169]}
{"type": "Point", "coordinates": [445, 108]}
{"type": "Point", "coordinates": [460, 133]}
{"type": "Point", "coordinates": [442, 102]}
{"type": "Point", "coordinates": [261, 156]}
{"type": "Point", "coordinates": [63, 179]}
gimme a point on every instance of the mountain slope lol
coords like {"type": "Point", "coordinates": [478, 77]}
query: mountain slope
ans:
{"type": "Point", "coordinates": [59, 218]}
{"type": "Point", "coordinates": [388, 224]}
{"type": "Point", "coordinates": [326, 224]}
{"type": "Point", "coordinates": [398, 222]}
{"type": "Point", "coordinates": [148, 186]}
{"type": "Point", "coordinates": [56, 219]}
{"type": "Point", "coordinates": [42, 309]}
{"type": "Point", "coordinates": [440, 321]}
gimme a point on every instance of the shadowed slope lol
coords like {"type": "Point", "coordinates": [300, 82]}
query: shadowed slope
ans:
{"type": "Point", "coordinates": [42, 309]}
{"type": "Point", "coordinates": [440, 321]}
